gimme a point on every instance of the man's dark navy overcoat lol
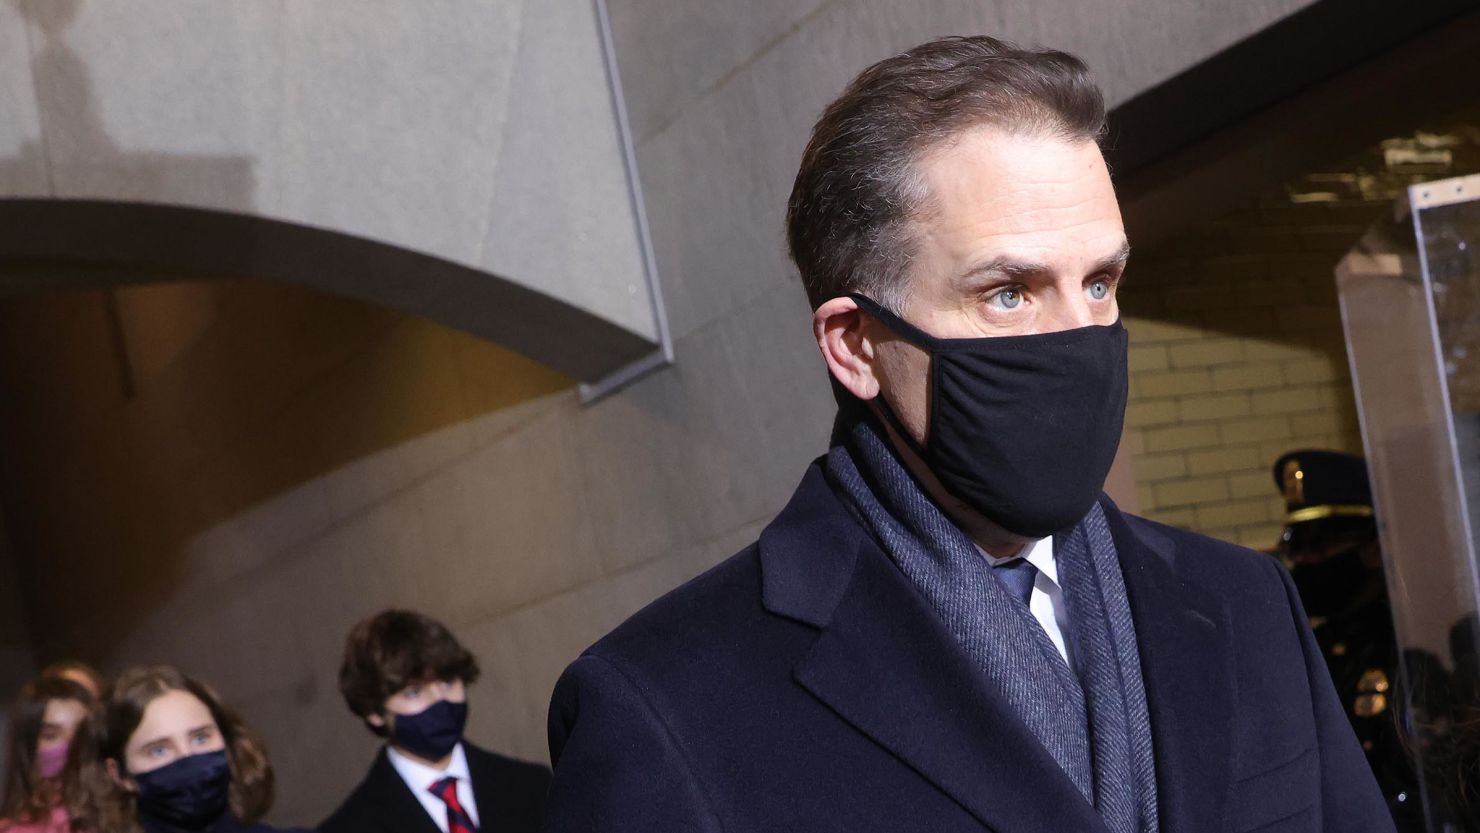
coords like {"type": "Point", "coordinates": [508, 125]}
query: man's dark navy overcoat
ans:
{"type": "Point", "coordinates": [805, 685]}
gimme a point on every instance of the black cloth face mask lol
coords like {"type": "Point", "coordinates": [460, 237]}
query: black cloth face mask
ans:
{"type": "Point", "coordinates": [189, 794]}
{"type": "Point", "coordinates": [1023, 429]}
{"type": "Point", "coordinates": [432, 732]}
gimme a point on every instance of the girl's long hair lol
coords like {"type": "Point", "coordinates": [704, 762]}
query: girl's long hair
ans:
{"type": "Point", "coordinates": [123, 710]}
{"type": "Point", "coordinates": [28, 798]}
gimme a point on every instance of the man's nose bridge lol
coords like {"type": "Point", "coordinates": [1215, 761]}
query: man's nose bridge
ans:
{"type": "Point", "coordinates": [1073, 310]}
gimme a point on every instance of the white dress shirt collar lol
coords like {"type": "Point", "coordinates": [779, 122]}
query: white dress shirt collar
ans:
{"type": "Point", "coordinates": [1046, 602]}
{"type": "Point", "coordinates": [419, 778]}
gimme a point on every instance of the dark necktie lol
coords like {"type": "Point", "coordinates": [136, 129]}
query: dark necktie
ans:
{"type": "Point", "coordinates": [1019, 576]}
{"type": "Point", "coordinates": [458, 820]}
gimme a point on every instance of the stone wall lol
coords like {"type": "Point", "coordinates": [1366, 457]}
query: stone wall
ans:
{"type": "Point", "coordinates": [227, 476]}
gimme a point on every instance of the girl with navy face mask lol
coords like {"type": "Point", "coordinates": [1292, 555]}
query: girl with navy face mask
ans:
{"type": "Point", "coordinates": [179, 760]}
{"type": "Point", "coordinates": [43, 793]}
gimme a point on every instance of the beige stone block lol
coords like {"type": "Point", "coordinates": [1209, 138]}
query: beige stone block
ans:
{"type": "Point", "coordinates": [1260, 536]}
{"type": "Point", "coordinates": [1272, 450]}
{"type": "Point", "coordinates": [1248, 377]}
{"type": "Point", "coordinates": [1151, 412]}
{"type": "Point", "coordinates": [1289, 401]}
{"type": "Point", "coordinates": [1153, 467]}
{"type": "Point", "coordinates": [1134, 442]}
{"type": "Point", "coordinates": [1155, 331]}
{"type": "Point", "coordinates": [1147, 357]}
{"type": "Point", "coordinates": [1222, 460]}
{"type": "Point", "coordinates": [1237, 512]}
{"type": "Point", "coordinates": [1181, 437]}
{"type": "Point", "coordinates": [1146, 498]}
{"type": "Point", "coordinates": [1256, 429]}
{"type": "Point", "coordinates": [1183, 518]}
{"type": "Point", "coordinates": [1212, 351]}
{"type": "Point", "coordinates": [1216, 406]}
{"type": "Point", "coordinates": [1252, 483]}
{"type": "Point", "coordinates": [1324, 368]}
{"type": "Point", "coordinates": [1330, 421]}
{"type": "Point", "coordinates": [1241, 322]}
{"type": "Point", "coordinates": [1277, 349]}
{"type": "Point", "coordinates": [1172, 383]}
{"type": "Point", "coordinates": [1190, 491]}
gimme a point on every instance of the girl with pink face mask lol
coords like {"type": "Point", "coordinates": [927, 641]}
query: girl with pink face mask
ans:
{"type": "Point", "coordinates": [43, 793]}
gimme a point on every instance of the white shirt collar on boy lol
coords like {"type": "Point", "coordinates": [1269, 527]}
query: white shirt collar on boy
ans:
{"type": "Point", "coordinates": [419, 778]}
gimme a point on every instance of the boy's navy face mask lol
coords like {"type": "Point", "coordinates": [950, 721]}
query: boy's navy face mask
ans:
{"type": "Point", "coordinates": [432, 732]}
{"type": "Point", "coordinates": [1022, 428]}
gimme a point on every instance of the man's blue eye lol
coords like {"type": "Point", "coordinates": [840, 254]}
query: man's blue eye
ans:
{"type": "Point", "coordinates": [1099, 290]}
{"type": "Point", "coordinates": [1008, 298]}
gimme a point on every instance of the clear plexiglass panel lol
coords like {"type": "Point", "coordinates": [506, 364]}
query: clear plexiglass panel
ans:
{"type": "Point", "coordinates": [1410, 300]}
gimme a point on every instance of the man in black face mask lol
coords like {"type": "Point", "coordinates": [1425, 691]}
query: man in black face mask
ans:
{"type": "Point", "coordinates": [950, 628]}
{"type": "Point", "coordinates": [406, 676]}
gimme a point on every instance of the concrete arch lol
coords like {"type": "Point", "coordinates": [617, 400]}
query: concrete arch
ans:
{"type": "Point", "coordinates": [462, 161]}
{"type": "Point", "coordinates": [53, 243]}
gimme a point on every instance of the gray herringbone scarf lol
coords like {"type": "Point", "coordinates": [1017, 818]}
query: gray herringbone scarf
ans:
{"type": "Point", "coordinates": [1094, 725]}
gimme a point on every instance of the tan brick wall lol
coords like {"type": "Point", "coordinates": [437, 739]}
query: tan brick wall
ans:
{"type": "Point", "coordinates": [1237, 353]}
{"type": "Point", "coordinates": [1237, 356]}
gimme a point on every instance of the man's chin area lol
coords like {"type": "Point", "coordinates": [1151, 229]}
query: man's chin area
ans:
{"type": "Point", "coordinates": [985, 532]}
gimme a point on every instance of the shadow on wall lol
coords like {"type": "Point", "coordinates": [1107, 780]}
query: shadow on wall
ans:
{"type": "Point", "coordinates": [79, 156]}
{"type": "Point", "coordinates": [137, 419]}
{"type": "Point", "coordinates": [242, 391]}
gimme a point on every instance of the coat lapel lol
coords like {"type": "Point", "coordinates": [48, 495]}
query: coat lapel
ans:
{"type": "Point", "coordinates": [885, 664]}
{"type": "Point", "coordinates": [403, 811]}
{"type": "Point", "coordinates": [1185, 645]}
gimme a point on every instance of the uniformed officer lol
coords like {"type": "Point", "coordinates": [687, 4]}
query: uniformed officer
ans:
{"type": "Point", "coordinates": [1331, 548]}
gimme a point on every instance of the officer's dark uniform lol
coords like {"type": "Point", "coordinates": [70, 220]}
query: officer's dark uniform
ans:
{"type": "Point", "coordinates": [1330, 545]}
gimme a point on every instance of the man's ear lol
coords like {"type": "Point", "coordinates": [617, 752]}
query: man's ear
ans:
{"type": "Point", "coordinates": [376, 720]}
{"type": "Point", "coordinates": [115, 773]}
{"type": "Point", "coordinates": [841, 331]}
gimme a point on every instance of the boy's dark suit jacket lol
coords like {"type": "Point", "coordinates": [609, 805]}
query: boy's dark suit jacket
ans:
{"type": "Point", "coordinates": [805, 685]}
{"type": "Point", "coordinates": [510, 796]}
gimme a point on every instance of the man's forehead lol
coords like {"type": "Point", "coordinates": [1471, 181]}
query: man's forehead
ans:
{"type": "Point", "coordinates": [987, 159]}
{"type": "Point", "coordinates": [1019, 201]}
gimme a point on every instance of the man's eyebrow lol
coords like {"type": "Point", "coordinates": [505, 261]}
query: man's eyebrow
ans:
{"type": "Point", "coordinates": [1006, 266]}
{"type": "Point", "coordinates": [1012, 267]}
{"type": "Point", "coordinates": [1117, 260]}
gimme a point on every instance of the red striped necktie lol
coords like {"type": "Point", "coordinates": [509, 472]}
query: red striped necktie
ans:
{"type": "Point", "coordinates": [458, 820]}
